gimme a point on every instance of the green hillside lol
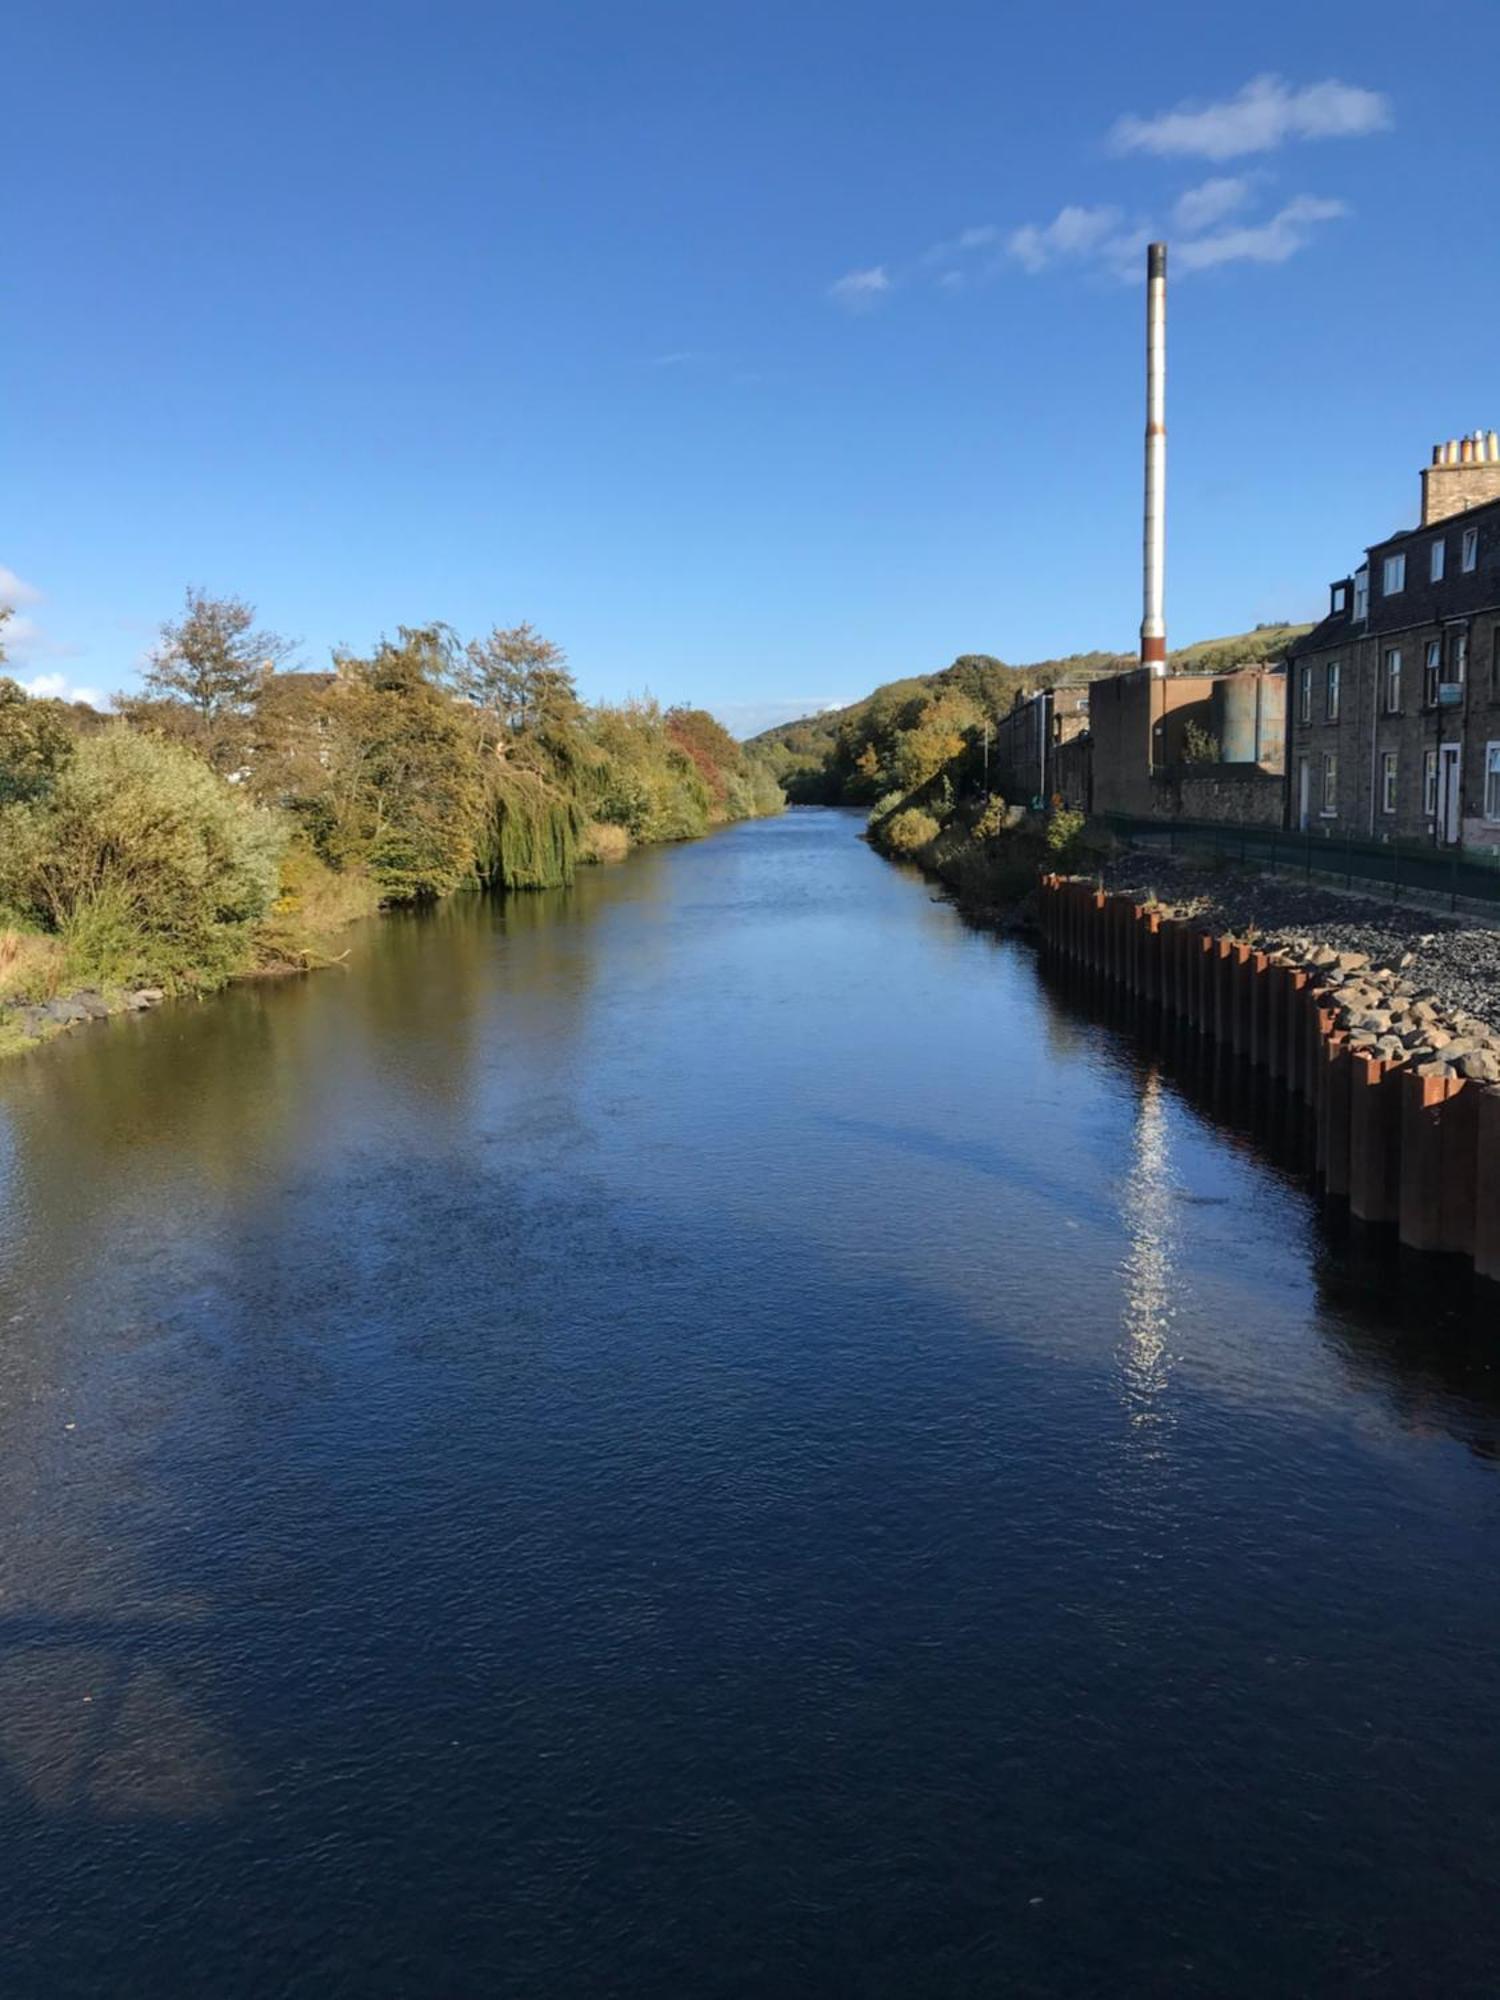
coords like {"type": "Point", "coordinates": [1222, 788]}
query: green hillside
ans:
{"type": "Point", "coordinates": [852, 755]}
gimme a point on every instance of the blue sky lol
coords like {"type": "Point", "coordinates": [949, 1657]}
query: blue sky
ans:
{"type": "Point", "coordinates": [757, 353]}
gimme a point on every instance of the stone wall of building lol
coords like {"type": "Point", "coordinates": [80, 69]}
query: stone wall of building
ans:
{"type": "Point", "coordinates": [1229, 794]}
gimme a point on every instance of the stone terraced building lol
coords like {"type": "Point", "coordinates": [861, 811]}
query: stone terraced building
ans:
{"type": "Point", "coordinates": [1393, 710]}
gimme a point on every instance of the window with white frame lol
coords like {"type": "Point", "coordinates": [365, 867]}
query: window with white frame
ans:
{"type": "Point", "coordinates": [1437, 557]}
{"type": "Point", "coordinates": [1458, 653]}
{"type": "Point", "coordinates": [1429, 783]}
{"type": "Point", "coordinates": [1330, 783]}
{"type": "Point", "coordinates": [1388, 781]}
{"type": "Point", "coordinates": [1361, 593]}
{"type": "Point", "coordinates": [1470, 558]}
{"type": "Point", "coordinates": [1331, 692]}
{"type": "Point", "coordinates": [1391, 682]}
{"type": "Point", "coordinates": [1393, 575]}
{"type": "Point", "coordinates": [1492, 781]}
{"type": "Point", "coordinates": [1304, 693]}
{"type": "Point", "coordinates": [1432, 673]}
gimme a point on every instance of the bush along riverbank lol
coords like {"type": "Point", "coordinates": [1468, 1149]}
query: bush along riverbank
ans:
{"type": "Point", "coordinates": [235, 817]}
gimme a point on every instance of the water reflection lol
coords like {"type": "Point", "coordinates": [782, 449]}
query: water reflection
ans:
{"type": "Point", "coordinates": [1150, 1219]}
{"type": "Point", "coordinates": [1418, 1329]}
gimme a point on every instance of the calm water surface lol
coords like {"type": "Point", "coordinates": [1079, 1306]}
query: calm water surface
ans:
{"type": "Point", "coordinates": [712, 1435]}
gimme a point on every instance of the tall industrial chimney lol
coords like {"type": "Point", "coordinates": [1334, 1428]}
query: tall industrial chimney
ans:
{"type": "Point", "coordinates": [1154, 558]}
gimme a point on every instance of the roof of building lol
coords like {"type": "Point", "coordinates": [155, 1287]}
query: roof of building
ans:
{"type": "Point", "coordinates": [1459, 595]}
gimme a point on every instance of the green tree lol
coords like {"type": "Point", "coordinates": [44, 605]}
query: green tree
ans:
{"type": "Point", "coordinates": [35, 742]}
{"type": "Point", "coordinates": [398, 788]}
{"type": "Point", "coordinates": [518, 680]}
{"type": "Point", "coordinates": [203, 677]}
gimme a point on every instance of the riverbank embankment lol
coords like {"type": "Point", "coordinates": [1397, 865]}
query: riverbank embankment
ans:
{"type": "Point", "coordinates": [1402, 1093]}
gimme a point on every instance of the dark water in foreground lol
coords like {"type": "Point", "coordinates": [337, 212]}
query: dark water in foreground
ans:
{"type": "Point", "coordinates": [710, 1436]}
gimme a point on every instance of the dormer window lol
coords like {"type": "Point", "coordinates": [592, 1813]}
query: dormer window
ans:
{"type": "Point", "coordinates": [1393, 575]}
{"type": "Point", "coordinates": [1437, 557]}
{"type": "Point", "coordinates": [1361, 594]}
{"type": "Point", "coordinates": [1471, 549]}
{"type": "Point", "coordinates": [1338, 600]}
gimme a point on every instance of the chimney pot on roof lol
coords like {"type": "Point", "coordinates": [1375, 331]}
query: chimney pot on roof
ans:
{"type": "Point", "coordinates": [1464, 473]}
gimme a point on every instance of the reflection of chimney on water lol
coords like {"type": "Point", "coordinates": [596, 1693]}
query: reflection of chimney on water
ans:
{"type": "Point", "coordinates": [1154, 553]}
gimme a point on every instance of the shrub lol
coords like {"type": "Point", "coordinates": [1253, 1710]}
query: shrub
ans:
{"type": "Point", "coordinates": [994, 820]}
{"type": "Point", "coordinates": [909, 831]}
{"type": "Point", "coordinates": [315, 903]}
{"type": "Point", "coordinates": [1064, 828]}
{"type": "Point", "coordinates": [145, 864]}
{"type": "Point", "coordinates": [602, 842]}
{"type": "Point", "coordinates": [884, 806]}
{"type": "Point", "coordinates": [1198, 745]}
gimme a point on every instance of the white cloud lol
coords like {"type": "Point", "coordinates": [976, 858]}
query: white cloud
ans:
{"type": "Point", "coordinates": [57, 687]}
{"type": "Point", "coordinates": [15, 591]}
{"type": "Point", "coordinates": [1272, 242]}
{"type": "Point", "coordinates": [857, 291]}
{"type": "Point", "coordinates": [1266, 114]}
{"type": "Point", "coordinates": [1201, 207]}
{"type": "Point", "coordinates": [1073, 232]}
{"type": "Point", "coordinates": [25, 644]}
{"type": "Point", "coordinates": [967, 241]}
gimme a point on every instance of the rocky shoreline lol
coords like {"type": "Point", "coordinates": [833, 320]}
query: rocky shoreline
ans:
{"type": "Point", "coordinates": [1411, 987]}
{"type": "Point", "coordinates": [37, 1021]}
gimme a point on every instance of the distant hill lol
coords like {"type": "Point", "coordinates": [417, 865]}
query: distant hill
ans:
{"type": "Point", "coordinates": [805, 755]}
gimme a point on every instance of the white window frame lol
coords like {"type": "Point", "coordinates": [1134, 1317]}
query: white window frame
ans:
{"type": "Point", "coordinates": [1433, 672]}
{"type": "Point", "coordinates": [1393, 575]}
{"type": "Point", "coordinates": [1429, 784]}
{"type": "Point", "coordinates": [1492, 783]}
{"type": "Point", "coordinates": [1469, 558]}
{"type": "Point", "coordinates": [1437, 559]}
{"type": "Point", "coordinates": [1389, 769]}
{"type": "Point", "coordinates": [1328, 793]}
{"type": "Point", "coordinates": [1390, 680]}
{"type": "Point", "coordinates": [1304, 694]}
{"type": "Point", "coordinates": [1361, 594]}
{"type": "Point", "coordinates": [1333, 690]}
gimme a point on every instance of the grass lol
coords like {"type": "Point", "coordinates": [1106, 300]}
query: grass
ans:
{"type": "Point", "coordinates": [603, 842]}
{"type": "Point", "coordinates": [32, 967]}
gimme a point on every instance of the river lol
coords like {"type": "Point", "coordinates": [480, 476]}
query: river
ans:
{"type": "Point", "coordinates": [714, 1434]}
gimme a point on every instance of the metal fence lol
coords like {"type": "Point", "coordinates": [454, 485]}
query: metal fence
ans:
{"type": "Point", "coordinates": [1449, 874]}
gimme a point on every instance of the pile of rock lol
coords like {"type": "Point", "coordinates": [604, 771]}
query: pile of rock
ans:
{"type": "Point", "coordinates": [1456, 960]}
{"type": "Point", "coordinates": [1394, 1018]}
{"type": "Point", "coordinates": [45, 1017]}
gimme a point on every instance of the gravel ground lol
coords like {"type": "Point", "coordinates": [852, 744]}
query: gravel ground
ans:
{"type": "Point", "coordinates": [1456, 960]}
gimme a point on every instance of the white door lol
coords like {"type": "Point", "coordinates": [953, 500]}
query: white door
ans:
{"type": "Point", "coordinates": [1450, 804]}
{"type": "Point", "coordinates": [1304, 795]}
